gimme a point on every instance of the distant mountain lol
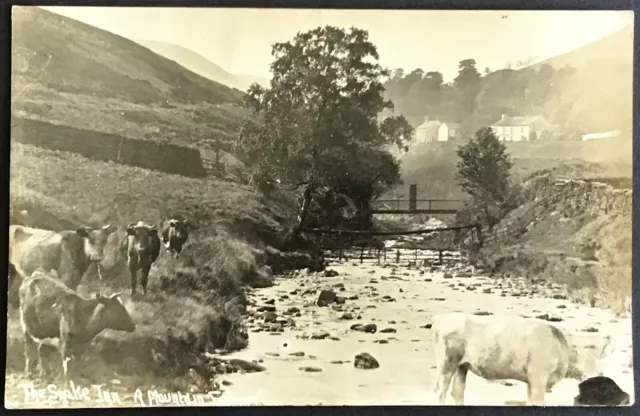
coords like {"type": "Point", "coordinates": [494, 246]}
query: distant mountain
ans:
{"type": "Point", "coordinates": [201, 65]}
{"type": "Point", "coordinates": [617, 46]}
{"type": "Point", "coordinates": [70, 73]}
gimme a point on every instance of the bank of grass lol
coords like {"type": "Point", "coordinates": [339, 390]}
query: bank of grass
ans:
{"type": "Point", "coordinates": [195, 303]}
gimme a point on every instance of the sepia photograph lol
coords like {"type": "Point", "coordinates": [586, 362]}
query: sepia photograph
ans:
{"type": "Point", "coordinates": [319, 207]}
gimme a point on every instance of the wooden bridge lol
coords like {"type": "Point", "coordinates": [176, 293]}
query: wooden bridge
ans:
{"type": "Point", "coordinates": [413, 205]}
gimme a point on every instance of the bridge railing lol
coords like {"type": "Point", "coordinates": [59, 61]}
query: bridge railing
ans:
{"type": "Point", "coordinates": [420, 204]}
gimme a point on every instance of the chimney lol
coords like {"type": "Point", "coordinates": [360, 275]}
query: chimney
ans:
{"type": "Point", "coordinates": [437, 118]}
{"type": "Point", "coordinates": [426, 118]}
{"type": "Point", "coordinates": [504, 116]}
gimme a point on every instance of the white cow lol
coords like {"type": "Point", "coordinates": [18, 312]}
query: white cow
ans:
{"type": "Point", "coordinates": [498, 348]}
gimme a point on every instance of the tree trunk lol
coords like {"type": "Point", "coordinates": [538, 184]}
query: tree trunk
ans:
{"type": "Point", "coordinates": [302, 214]}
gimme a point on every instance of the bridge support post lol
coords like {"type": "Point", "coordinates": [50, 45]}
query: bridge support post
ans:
{"type": "Point", "coordinates": [413, 197]}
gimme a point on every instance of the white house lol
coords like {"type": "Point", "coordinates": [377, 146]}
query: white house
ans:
{"type": "Point", "coordinates": [428, 131]}
{"type": "Point", "coordinates": [448, 131]}
{"type": "Point", "coordinates": [517, 129]}
{"type": "Point", "coordinates": [435, 130]}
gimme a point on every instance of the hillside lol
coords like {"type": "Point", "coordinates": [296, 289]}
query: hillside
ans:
{"type": "Point", "coordinates": [586, 90]}
{"type": "Point", "coordinates": [433, 165]}
{"type": "Point", "coordinates": [617, 46]}
{"type": "Point", "coordinates": [201, 65]}
{"type": "Point", "coordinates": [572, 232]}
{"type": "Point", "coordinates": [70, 73]}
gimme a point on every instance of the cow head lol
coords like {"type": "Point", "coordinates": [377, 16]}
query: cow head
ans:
{"type": "Point", "coordinates": [141, 233]}
{"type": "Point", "coordinates": [178, 232]}
{"type": "Point", "coordinates": [112, 314]}
{"type": "Point", "coordinates": [95, 240]}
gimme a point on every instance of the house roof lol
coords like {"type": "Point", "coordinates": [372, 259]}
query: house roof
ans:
{"type": "Point", "coordinates": [536, 122]}
{"type": "Point", "coordinates": [429, 124]}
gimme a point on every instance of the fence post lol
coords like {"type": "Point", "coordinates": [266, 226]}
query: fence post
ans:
{"type": "Point", "coordinates": [397, 255]}
{"type": "Point", "coordinates": [415, 255]}
{"type": "Point", "coordinates": [340, 254]}
{"type": "Point", "coordinates": [378, 256]}
{"type": "Point", "coordinates": [362, 254]}
{"type": "Point", "coordinates": [384, 253]}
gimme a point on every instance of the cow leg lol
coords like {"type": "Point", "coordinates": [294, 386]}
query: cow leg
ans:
{"type": "Point", "coordinates": [30, 354]}
{"type": "Point", "coordinates": [447, 371]}
{"type": "Point", "coordinates": [41, 360]}
{"type": "Point", "coordinates": [68, 363]}
{"type": "Point", "coordinates": [459, 383]}
{"type": "Point", "coordinates": [133, 271]}
{"type": "Point", "coordinates": [144, 277]}
{"type": "Point", "coordinates": [536, 389]}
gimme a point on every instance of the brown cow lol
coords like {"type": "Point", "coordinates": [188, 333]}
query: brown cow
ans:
{"type": "Point", "coordinates": [174, 234]}
{"type": "Point", "coordinates": [68, 253]}
{"type": "Point", "coordinates": [143, 247]}
{"type": "Point", "coordinates": [50, 309]}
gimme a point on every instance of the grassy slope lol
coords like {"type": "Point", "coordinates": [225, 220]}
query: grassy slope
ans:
{"type": "Point", "coordinates": [70, 73]}
{"type": "Point", "coordinates": [64, 190]}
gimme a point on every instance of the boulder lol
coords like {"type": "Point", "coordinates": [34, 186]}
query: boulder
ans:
{"type": "Point", "coordinates": [365, 361]}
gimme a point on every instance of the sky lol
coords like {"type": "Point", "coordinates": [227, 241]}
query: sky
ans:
{"type": "Point", "coordinates": [239, 40]}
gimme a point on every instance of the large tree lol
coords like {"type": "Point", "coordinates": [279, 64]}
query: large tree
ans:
{"type": "Point", "coordinates": [322, 105]}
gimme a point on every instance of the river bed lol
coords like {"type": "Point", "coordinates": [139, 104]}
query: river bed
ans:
{"type": "Point", "coordinates": [406, 375]}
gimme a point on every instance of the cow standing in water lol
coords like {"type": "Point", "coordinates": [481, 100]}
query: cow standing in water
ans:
{"type": "Point", "coordinates": [174, 234]}
{"type": "Point", "coordinates": [50, 309]}
{"type": "Point", "coordinates": [143, 247]}
{"type": "Point", "coordinates": [68, 253]}
{"type": "Point", "coordinates": [499, 348]}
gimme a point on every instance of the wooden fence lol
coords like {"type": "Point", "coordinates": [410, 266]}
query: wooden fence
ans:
{"type": "Point", "coordinates": [386, 255]}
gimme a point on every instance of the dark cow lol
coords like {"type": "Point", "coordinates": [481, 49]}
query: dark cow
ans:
{"type": "Point", "coordinates": [143, 247]}
{"type": "Point", "coordinates": [68, 253]}
{"type": "Point", "coordinates": [600, 391]}
{"type": "Point", "coordinates": [50, 309]}
{"type": "Point", "coordinates": [174, 234]}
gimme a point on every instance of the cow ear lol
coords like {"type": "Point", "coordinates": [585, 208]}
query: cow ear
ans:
{"type": "Point", "coordinates": [131, 231]}
{"type": "Point", "coordinates": [82, 232]}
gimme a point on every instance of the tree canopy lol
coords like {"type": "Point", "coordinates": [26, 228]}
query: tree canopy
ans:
{"type": "Point", "coordinates": [563, 96]}
{"type": "Point", "coordinates": [317, 123]}
{"type": "Point", "coordinates": [483, 173]}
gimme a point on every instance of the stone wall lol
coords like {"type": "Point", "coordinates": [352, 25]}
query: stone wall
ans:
{"type": "Point", "coordinates": [168, 158]}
